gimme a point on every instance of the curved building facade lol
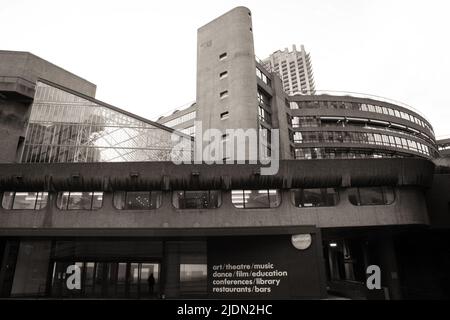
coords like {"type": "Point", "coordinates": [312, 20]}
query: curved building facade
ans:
{"type": "Point", "coordinates": [328, 126]}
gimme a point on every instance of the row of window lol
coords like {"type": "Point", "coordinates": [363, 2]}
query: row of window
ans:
{"type": "Point", "coordinates": [360, 107]}
{"type": "Point", "coordinates": [326, 121]}
{"type": "Point", "coordinates": [341, 153]}
{"type": "Point", "coordinates": [209, 199]}
{"type": "Point", "coordinates": [359, 137]}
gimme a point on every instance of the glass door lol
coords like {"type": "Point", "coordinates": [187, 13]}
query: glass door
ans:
{"type": "Point", "coordinates": [134, 280]}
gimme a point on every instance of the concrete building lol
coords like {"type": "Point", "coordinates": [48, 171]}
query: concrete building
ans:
{"type": "Point", "coordinates": [90, 188]}
{"type": "Point", "coordinates": [444, 147]}
{"type": "Point", "coordinates": [294, 68]}
{"type": "Point", "coordinates": [181, 119]}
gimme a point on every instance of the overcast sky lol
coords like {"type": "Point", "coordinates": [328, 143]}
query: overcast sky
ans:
{"type": "Point", "coordinates": [142, 54]}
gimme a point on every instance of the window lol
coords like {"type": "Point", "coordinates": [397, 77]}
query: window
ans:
{"type": "Point", "coordinates": [324, 197]}
{"type": "Point", "coordinates": [208, 199]}
{"type": "Point", "coordinates": [223, 94]}
{"type": "Point", "coordinates": [224, 115]}
{"type": "Point", "coordinates": [262, 76]}
{"type": "Point", "coordinates": [247, 199]}
{"type": "Point", "coordinates": [263, 99]}
{"type": "Point", "coordinates": [367, 196]}
{"type": "Point", "coordinates": [193, 278]}
{"type": "Point", "coordinates": [137, 200]}
{"type": "Point", "coordinates": [223, 56]}
{"type": "Point", "coordinates": [24, 200]}
{"type": "Point", "coordinates": [79, 200]}
{"type": "Point", "coordinates": [297, 137]}
{"type": "Point", "coordinates": [223, 75]}
{"type": "Point", "coordinates": [264, 115]}
{"type": "Point", "coordinates": [225, 137]}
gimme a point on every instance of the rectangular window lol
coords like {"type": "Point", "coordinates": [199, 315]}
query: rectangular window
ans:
{"type": "Point", "coordinates": [193, 278]}
{"type": "Point", "coordinates": [248, 199]}
{"type": "Point", "coordinates": [79, 200]}
{"type": "Point", "coordinates": [223, 56]}
{"type": "Point", "coordinates": [137, 200]}
{"type": "Point", "coordinates": [224, 115]}
{"type": "Point", "coordinates": [263, 77]}
{"type": "Point", "coordinates": [24, 200]}
{"type": "Point", "coordinates": [208, 199]}
{"type": "Point", "coordinates": [223, 94]}
{"type": "Point", "coordinates": [223, 75]}
{"type": "Point", "coordinates": [367, 196]}
{"type": "Point", "coordinates": [323, 197]}
{"type": "Point", "coordinates": [297, 137]}
{"type": "Point", "coordinates": [264, 115]}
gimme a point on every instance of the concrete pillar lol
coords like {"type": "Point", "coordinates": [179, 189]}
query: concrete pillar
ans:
{"type": "Point", "coordinates": [388, 265]}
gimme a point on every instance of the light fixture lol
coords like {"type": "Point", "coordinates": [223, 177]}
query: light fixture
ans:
{"type": "Point", "coordinates": [301, 241]}
{"type": "Point", "coordinates": [333, 244]}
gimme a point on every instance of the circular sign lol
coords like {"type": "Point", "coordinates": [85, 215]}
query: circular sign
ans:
{"type": "Point", "coordinates": [301, 241]}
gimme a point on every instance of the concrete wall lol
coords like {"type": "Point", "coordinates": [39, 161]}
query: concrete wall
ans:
{"type": "Point", "coordinates": [231, 34]}
{"type": "Point", "coordinates": [27, 66]}
{"type": "Point", "coordinates": [13, 122]}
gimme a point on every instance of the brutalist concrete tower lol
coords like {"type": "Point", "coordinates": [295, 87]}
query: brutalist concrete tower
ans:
{"type": "Point", "coordinates": [226, 81]}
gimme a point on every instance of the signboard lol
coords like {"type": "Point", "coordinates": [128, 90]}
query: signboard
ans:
{"type": "Point", "coordinates": [264, 267]}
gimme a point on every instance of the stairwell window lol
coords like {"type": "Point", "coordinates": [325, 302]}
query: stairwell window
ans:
{"type": "Point", "coordinates": [223, 56]}
{"type": "Point", "coordinates": [224, 115]}
{"type": "Point", "coordinates": [223, 75]}
{"type": "Point", "coordinates": [223, 94]}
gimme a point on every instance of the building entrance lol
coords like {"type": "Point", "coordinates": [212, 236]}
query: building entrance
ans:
{"type": "Point", "coordinates": [111, 279]}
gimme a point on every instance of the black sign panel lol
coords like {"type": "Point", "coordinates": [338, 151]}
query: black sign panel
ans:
{"type": "Point", "coordinates": [264, 267]}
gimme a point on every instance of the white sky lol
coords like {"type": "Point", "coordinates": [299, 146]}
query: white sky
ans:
{"type": "Point", "coordinates": [141, 54]}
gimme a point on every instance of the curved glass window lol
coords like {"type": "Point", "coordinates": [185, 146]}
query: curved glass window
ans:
{"type": "Point", "coordinates": [248, 199]}
{"type": "Point", "coordinates": [79, 200]}
{"type": "Point", "coordinates": [360, 138]}
{"type": "Point", "coordinates": [361, 107]}
{"type": "Point", "coordinates": [24, 200]}
{"type": "Point", "coordinates": [320, 197]}
{"type": "Point", "coordinates": [199, 199]}
{"type": "Point", "coordinates": [369, 196]}
{"type": "Point", "coordinates": [137, 200]}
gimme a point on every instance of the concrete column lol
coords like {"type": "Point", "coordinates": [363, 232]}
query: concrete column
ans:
{"type": "Point", "coordinates": [171, 265]}
{"type": "Point", "coordinates": [388, 265]}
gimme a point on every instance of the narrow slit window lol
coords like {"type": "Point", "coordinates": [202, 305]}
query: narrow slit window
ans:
{"type": "Point", "coordinates": [223, 75]}
{"type": "Point", "coordinates": [224, 115]}
{"type": "Point", "coordinates": [223, 56]}
{"type": "Point", "coordinates": [223, 94]}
